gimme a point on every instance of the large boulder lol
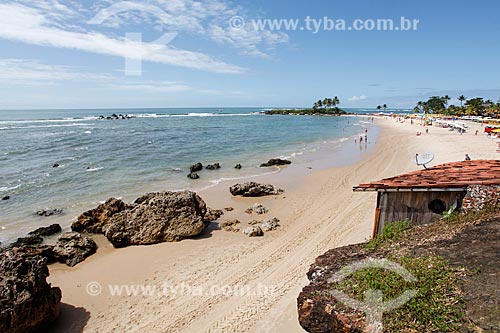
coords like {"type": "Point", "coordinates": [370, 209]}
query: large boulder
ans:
{"type": "Point", "coordinates": [26, 299]}
{"type": "Point", "coordinates": [275, 162]}
{"type": "Point", "coordinates": [93, 220]}
{"type": "Point", "coordinates": [158, 217]}
{"type": "Point", "coordinates": [72, 248]}
{"type": "Point", "coordinates": [196, 167]}
{"type": "Point", "coordinates": [252, 189]}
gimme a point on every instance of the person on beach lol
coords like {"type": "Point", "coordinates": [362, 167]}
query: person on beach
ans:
{"type": "Point", "coordinates": [427, 130]}
{"type": "Point", "coordinates": [476, 132]}
{"type": "Point", "coordinates": [360, 139]}
{"type": "Point", "coordinates": [467, 157]}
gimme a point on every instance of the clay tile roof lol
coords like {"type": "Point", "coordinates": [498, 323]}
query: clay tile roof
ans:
{"type": "Point", "coordinates": [449, 175]}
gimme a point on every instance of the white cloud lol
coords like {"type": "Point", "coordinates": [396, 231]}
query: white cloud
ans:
{"type": "Point", "coordinates": [151, 87]}
{"type": "Point", "coordinates": [29, 72]}
{"type": "Point", "coordinates": [357, 98]}
{"type": "Point", "coordinates": [33, 26]}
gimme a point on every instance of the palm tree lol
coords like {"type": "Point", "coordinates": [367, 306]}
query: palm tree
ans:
{"type": "Point", "coordinates": [379, 107]}
{"type": "Point", "coordinates": [384, 106]}
{"type": "Point", "coordinates": [446, 98]}
{"type": "Point", "coordinates": [335, 101]}
{"type": "Point", "coordinates": [461, 98]}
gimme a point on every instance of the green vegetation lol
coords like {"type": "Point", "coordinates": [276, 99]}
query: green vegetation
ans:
{"type": "Point", "coordinates": [473, 107]}
{"type": "Point", "coordinates": [390, 233]}
{"type": "Point", "coordinates": [437, 307]}
{"type": "Point", "coordinates": [327, 106]}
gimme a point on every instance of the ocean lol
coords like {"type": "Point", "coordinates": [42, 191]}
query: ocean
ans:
{"type": "Point", "coordinates": [125, 158]}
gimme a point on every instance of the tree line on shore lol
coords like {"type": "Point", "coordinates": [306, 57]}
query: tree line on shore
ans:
{"type": "Point", "coordinates": [468, 107]}
{"type": "Point", "coordinates": [326, 106]}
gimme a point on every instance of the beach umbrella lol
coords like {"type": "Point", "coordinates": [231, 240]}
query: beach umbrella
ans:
{"type": "Point", "coordinates": [496, 130]}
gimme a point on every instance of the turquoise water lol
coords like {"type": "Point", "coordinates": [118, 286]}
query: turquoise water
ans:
{"type": "Point", "coordinates": [122, 158]}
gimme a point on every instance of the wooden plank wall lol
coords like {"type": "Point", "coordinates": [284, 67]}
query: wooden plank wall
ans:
{"type": "Point", "coordinates": [399, 206]}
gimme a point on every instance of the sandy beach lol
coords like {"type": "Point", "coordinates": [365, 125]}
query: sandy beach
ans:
{"type": "Point", "coordinates": [227, 282]}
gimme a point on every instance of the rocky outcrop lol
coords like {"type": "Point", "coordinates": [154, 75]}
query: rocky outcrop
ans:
{"type": "Point", "coordinates": [232, 225]}
{"type": "Point", "coordinates": [7, 197]}
{"type": "Point", "coordinates": [275, 162]}
{"type": "Point", "coordinates": [214, 166]}
{"type": "Point", "coordinates": [257, 209]}
{"type": "Point", "coordinates": [253, 231]}
{"type": "Point", "coordinates": [28, 240]}
{"type": "Point", "coordinates": [212, 215]}
{"type": "Point", "coordinates": [253, 189]}
{"type": "Point", "coordinates": [193, 175]}
{"type": "Point", "coordinates": [72, 248]}
{"type": "Point", "coordinates": [46, 231]}
{"type": "Point", "coordinates": [93, 220]}
{"type": "Point", "coordinates": [49, 212]}
{"type": "Point", "coordinates": [271, 225]}
{"type": "Point", "coordinates": [196, 167]}
{"type": "Point", "coordinates": [158, 217]}
{"type": "Point", "coordinates": [27, 301]}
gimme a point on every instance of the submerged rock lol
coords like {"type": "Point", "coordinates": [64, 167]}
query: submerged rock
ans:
{"type": "Point", "coordinates": [275, 162]}
{"type": "Point", "coordinates": [252, 189]}
{"type": "Point", "coordinates": [214, 166]}
{"type": "Point", "coordinates": [196, 167]}
{"type": "Point", "coordinates": [7, 197]}
{"type": "Point", "coordinates": [27, 301]}
{"type": "Point", "coordinates": [253, 231]}
{"type": "Point", "coordinates": [46, 231]}
{"type": "Point", "coordinates": [56, 165]}
{"type": "Point", "coordinates": [49, 212]}
{"type": "Point", "coordinates": [93, 220]}
{"type": "Point", "coordinates": [158, 217]}
{"type": "Point", "coordinates": [237, 166]}
{"type": "Point", "coordinates": [72, 248]}
{"type": "Point", "coordinates": [193, 175]}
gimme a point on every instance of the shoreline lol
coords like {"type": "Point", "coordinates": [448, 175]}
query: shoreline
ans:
{"type": "Point", "coordinates": [300, 153]}
{"type": "Point", "coordinates": [320, 213]}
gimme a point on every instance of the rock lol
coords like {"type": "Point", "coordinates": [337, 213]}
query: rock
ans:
{"type": "Point", "coordinates": [253, 231]}
{"type": "Point", "coordinates": [158, 217]}
{"type": "Point", "coordinates": [193, 175]}
{"type": "Point", "coordinates": [45, 251]}
{"type": "Point", "coordinates": [93, 220]}
{"type": "Point", "coordinates": [254, 222]}
{"type": "Point", "coordinates": [28, 240]}
{"type": "Point", "coordinates": [237, 166]}
{"type": "Point", "coordinates": [275, 162]}
{"type": "Point", "coordinates": [49, 212]}
{"type": "Point", "coordinates": [257, 208]}
{"type": "Point", "coordinates": [27, 301]}
{"type": "Point", "coordinates": [270, 225]}
{"type": "Point", "coordinates": [56, 165]}
{"type": "Point", "coordinates": [46, 231]}
{"type": "Point", "coordinates": [196, 167]}
{"type": "Point", "coordinates": [212, 214]}
{"type": "Point", "coordinates": [231, 225]}
{"type": "Point", "coordinates": [229, 209]}
{"type": "Point", "coordinates": [72, 248]}
{"type": "Point", "coordinates": [252, 189]}
{"type": "Point", "coordinates": [6, 198]}
{"type": "Point", "coordinates": [214, 166]}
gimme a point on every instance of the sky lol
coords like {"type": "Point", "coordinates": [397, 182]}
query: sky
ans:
{"type": "Point", "coordinates": [219, 53]}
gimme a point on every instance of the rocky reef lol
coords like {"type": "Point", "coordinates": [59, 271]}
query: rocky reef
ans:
{"type": "Point", "coordinates": [253, 189]}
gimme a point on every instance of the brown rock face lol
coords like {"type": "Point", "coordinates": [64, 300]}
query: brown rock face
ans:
{"type": "Point", "coordinates": [252, 189]}
{"type": "Point", "coordinates": [93, 220]}
{"type": "Point", "coordinates": [72, 248]}
{"type": "Point", "coordinates": [26, 299]}
{"type": "Point", "coordinates": [158, 217]}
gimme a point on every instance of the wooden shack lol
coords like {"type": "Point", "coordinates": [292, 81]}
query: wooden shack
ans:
{"type": "Point", "coordinates": [423, 196]}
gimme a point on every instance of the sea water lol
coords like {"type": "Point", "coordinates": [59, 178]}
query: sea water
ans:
{"type": "Point", "coordinates": [152, 151]}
